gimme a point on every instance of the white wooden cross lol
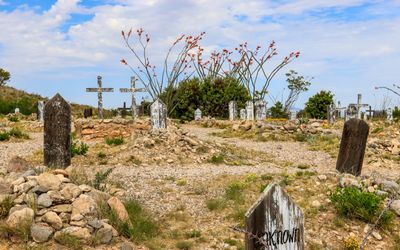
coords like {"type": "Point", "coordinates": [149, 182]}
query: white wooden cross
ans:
{"type": "Point", "coordinates": [133, 90]}
{"type": "Point", "coordinates": [100, 91]}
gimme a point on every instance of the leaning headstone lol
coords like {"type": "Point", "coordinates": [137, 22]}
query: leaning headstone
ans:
{"type": "Point", "coordinates": [249, 111]}
{"type": "Point", "coordinates": [261, 110]}
{"type": "Point", "coordinates": [274, 222]}
{"type": "Point", "coordinates": [57, 133]}
{"type": "Point", "coordinates": [352, 147]}
{"type": "Point", "coordinates": [87, 113]}
{"type": "Point", "coordinates": [158, 112]}
{"type": "Point", "coordinates": [243, 114]}
{"type": "Point", "coordinates": [331, 114]}
{"type": "Point", "coordinates": [232, 110]}
{"type": "Point", "coordinates": [40, 111]}
{"type": "Point", "coordinates": [197, 114]}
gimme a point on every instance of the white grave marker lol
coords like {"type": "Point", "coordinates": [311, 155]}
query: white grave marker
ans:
{"type": "Point", "coordinates": [197, 114]}
{"type": "Point", "coordinates": [232, 110]}
{"type": "Point", "coordinates": [276, 221]}
{"type": "Point", "coordinates": [158, 112]}
{"type": "Point", "coordinates": [249, 111]}
{"type": "Point", "coordinates": [243, 114]}
{"type": "Point", "coordinates": [261, 110]}
{"type": "Point", "coordinates": [293, 115]}
{"type": "Point", "coordinates": [40, 114]}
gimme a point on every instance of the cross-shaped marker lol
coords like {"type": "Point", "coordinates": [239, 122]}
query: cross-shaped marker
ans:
{"type": "Point", "coordinates": [100, 91]}
{"type": "Point", "coordinates": [133, 90]}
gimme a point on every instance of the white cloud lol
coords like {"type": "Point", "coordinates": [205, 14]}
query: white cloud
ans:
{"type": "Point", "coordinates": [340, 54]}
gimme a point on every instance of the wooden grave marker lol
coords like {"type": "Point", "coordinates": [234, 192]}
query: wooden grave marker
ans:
{"type": "Point", "coordinates": [100, 91]}
{"type": "Point", "coordinates": [274, 222]}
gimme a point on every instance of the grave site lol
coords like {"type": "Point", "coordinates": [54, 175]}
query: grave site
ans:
{"type": "Point", "coordinates": [73, 181]}
{"type": "Point", "coordinates": [112, 138]}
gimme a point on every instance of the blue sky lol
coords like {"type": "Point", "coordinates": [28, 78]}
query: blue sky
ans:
{"type": "Point", "coordinates": [348, 46]}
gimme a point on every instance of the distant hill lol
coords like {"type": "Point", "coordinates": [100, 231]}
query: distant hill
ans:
{"type": "Point", "coordinates": [11, 98]}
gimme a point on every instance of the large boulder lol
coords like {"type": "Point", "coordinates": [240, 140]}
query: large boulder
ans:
{"type": "Point", "coordinates": [85, 206]}
{"type": "Point", "coordinates": [50, 181]}
{"type": "Point", "coordinates": [41, 232]}
{"type": "Point", "coordinates": [53, 220]}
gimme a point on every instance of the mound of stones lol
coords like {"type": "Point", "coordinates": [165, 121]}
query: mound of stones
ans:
{"type": "Point", "coordinates": [312, 127]}
{"type": "Point", "coordinates": [55, 206]}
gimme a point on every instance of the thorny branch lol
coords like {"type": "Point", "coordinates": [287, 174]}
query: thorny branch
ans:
{"type": "Point", "coordinates": [251, 235]}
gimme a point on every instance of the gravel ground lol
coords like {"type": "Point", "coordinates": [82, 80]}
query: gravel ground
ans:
{"type": "Point", "coordinates": [23, 148]}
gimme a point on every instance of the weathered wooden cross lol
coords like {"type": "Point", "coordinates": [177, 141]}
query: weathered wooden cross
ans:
{"type": "Point", "coordinates": [100, 91]}
{"type": "Point", "coordinates": [133, 90]}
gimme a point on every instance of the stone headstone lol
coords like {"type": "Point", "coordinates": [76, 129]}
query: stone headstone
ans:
{"type": "Point", "coordinates": [158, 112]}
{"type": "Point", "coordinates": [232, 110]}
{"type": "Point", "coordinates": [87, 112]}
{"type": "Point", "coordinates": [249, 111]}
{"type": "Point", "coordinates": [261, 110]}
{"type": "Point", "coordinates": [243, 114]}
{"type": "Point", "coordinates": [293, 115]}
{"type": "Point", "coordinates": [40, 111]}
{"type": "Point", "coordinates": [275, 220]}
{"type": "Point", "coordinates": [352, 147]}
{"type": "Point", "coordinates": [57, 133]}
{"type": "Point", "coordinates": [16, 111]}
{"type": "Point", "coordinates": [197, 114]}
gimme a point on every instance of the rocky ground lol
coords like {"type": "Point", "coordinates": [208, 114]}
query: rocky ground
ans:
{"type": "Point", "coordinates": [184, 178]}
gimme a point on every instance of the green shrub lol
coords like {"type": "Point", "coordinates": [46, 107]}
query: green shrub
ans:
{"type": "Point", "coordinates": [217, 159]}
{"type": "Point", "coordinates": [4, 136]}
{"type": "Point", "coordinates": [235, 192]}
{"type": "Point", "coordinates": [353, 203]}
{"type": "Point", "coordinates": [13, 118]}
{"type": "Point", "coordinates": [211, 96]}
{"type": "Point", "coordinates": [17, 133]}
{"type": "Point", "coordinates": [396, 113]}
{"type": "Point", "coordinates": [317, 105]}
{"type": "Point", "coordinates": [101, 155]}
{"type": "Point", "coordinates": [5, 206]}
{"type": "Point", "coordinates": [140, 227]}
{"type": "Point", "coordinates": [114, 141]}
{"type": "Point", "coordinates": [78, 149]}
{"type": "Point", "coordinates": [99, 179]}
{"type": "Point", "coordinates": [277, 111]}
{"type": "Point", "coordinates": [184, 245]}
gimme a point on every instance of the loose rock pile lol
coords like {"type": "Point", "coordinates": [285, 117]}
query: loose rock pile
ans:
{"type": "Point", "coordinates": [165, 146]}
{"type": "Point", "coordinates": [53, 206]}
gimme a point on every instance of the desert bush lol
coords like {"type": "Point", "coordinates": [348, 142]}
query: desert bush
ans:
{"type": "Point", "coordinates": [318, 104]}
{"type": "Point", "coordinates": [14, 132]}
{"type": "Point", "coordinates": [217, 159]}
{"type": "Point", "coordinates": [78, 148]}
{"type": "Point", "coordinates": [353, 203]}
{"type": "Point", "coordinates": [216, 204]}
{"type": "Point", "coordinates": [277, 111]}
{"type": "Point", "coordinates": [140, 226]}
{"type": "Point", "coordinates": [396, 113]}
{"type": "Point", "coordinates": [99, 179]}
{"type": "Point", "coordinates": [235, 192]}
{"type": "Point", "coordinates": [5, 205]}
{"type": "Point", "coordinates": [211, 96]}
{"type": "Point", "coordinates": [114, 141]}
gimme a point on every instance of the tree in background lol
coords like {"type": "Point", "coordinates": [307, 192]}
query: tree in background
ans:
{"type": "Point", "coordinates": [396, 113]}
{"type": "Point", "coordinates": [316, 106]}
{"type": "Point", "coordinates": [4, 77]}
{"type": "Point", "coordinates": [277, 111]}
{"type": "Point", "coordinates": [296, 85]}
{"type": "Point", "coordinates": [212, 96]}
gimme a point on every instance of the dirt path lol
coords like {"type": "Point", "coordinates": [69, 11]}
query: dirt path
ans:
{"type": "Point", "coordinates": [292, 152]}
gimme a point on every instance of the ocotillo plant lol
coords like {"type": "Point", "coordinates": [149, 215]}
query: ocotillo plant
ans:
{"type": "Point", "coordinates": [146, 72]}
